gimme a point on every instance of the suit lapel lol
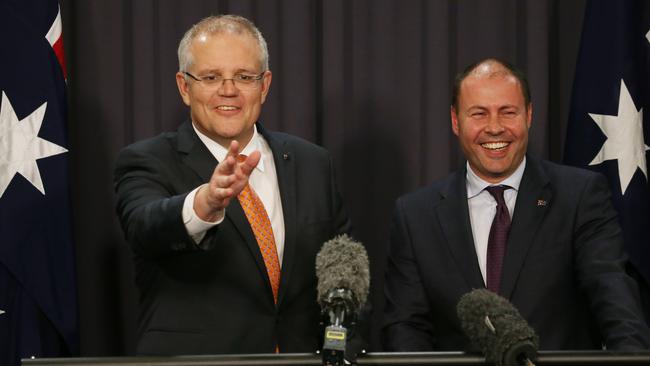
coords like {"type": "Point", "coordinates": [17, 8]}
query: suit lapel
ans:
{"type": "Point", "coordinates": [285, 168]}
{"type": "Point", "coordinates": [199, 159]}
{"type": "Point", "coordinates": [196, 154]}
{"type": "Point", "coordinates": [533, 199]}
{"type": "Point", "coordinates": [453, 214]}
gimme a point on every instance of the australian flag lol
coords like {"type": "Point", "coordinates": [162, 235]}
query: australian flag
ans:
{"type": "Point", "coordinates": [609, 122]}
{"type": "Point", "coordinates": [38, 304]}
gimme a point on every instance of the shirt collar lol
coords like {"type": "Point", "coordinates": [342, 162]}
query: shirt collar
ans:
{"type": "Point", "coordinates": [220, 152]}
{"type": "Point", "coordinates": [476, 185]}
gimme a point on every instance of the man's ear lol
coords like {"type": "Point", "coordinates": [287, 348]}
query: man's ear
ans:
{"type": "Point", "coordinates": [529, 114]}
{"type": "Point", "coordinates": [183, 87]}
{"type": "Point", "coordinates": [454, 120]}
{"type": "Point", "coordinates": [266, 84]}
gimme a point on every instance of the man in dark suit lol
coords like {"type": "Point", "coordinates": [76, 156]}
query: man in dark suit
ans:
{"type": "Point", "coordinates": [224, 217]}
{"type": "Point", "coordinates": [546, 237]}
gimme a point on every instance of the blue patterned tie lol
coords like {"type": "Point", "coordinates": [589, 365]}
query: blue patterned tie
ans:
{"type": "Point", "coordinates": [497, 239]}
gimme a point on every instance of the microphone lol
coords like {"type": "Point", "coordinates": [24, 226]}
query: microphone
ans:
{"type": "Point", "coordinates": [343, 284]}
{"type": "Point", "coordinates": [494, 325]}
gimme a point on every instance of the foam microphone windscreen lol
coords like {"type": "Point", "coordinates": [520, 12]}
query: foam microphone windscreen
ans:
{"type": "Point", "coordinates": [343, 263]}
{"type": "Point", "coordinates": [494, 325]}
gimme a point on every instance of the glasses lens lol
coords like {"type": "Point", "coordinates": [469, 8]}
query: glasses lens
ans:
{"type": "Point", "coordinates": [246, 81]}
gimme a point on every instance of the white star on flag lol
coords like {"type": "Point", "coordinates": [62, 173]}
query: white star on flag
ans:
{"type": "Point", "coordinates": [2, 312]}
{"type": "Point", "coordinates": [647, 36]}
{"type": "Point", "coordinates": [624, 139]}
{"type": "Point", "coordinates": [20, 145]}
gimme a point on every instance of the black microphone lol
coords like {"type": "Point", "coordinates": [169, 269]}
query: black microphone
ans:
{"type": "Point", "coordinates": [494, 325]}
{"type": "Point", "coordinates": [343, 284]}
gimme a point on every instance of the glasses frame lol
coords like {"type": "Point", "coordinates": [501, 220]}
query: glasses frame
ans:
{"type": "Point", "coordinates": [255, 78]}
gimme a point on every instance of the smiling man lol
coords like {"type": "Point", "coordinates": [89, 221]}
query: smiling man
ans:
{"type": "Point", "coordinates": [223, 216]}
{"type": "Point", "coordinates": [542, 235]}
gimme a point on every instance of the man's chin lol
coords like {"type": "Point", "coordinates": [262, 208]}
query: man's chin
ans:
{"type": "Point", "coordinates": [243, 136]}
{"type": "Point", "coordinates": [491, 173]}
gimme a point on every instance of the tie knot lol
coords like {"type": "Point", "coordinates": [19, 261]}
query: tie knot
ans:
{"type": "Point", "coordinates": [497, 193]}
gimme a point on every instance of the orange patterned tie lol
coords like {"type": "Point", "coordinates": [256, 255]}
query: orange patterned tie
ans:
{"type": "Point", "coordinates": [261, 225]}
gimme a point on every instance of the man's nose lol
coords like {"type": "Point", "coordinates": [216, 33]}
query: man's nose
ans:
{"type": "Point", "coordinates": [228, 87]}
{"type": "Point", "coordinates": [494, 125]}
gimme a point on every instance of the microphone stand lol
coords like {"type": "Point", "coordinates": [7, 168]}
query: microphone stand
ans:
{"type": "Point", "coordinates": [339, 303]}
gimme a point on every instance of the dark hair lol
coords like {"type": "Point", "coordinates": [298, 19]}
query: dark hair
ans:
{"type": "Point", "coordinates": [512, 70]}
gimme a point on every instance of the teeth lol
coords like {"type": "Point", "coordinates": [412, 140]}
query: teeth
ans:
{"type": "Point", "coordinates": [495, 145]}
{"type": "Point", "coordinates": [226, 108]}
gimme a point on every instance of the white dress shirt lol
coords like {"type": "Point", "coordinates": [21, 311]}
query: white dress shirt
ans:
{"type": "Point", "coordinates": [483, 207]}
{"type": "Point", "coordinates": [263, 180]}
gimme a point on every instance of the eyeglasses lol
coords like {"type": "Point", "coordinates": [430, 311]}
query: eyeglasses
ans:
{"type": "Point", "coordinates": [241, 81]}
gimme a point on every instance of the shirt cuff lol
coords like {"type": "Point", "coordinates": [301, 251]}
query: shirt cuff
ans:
{"type": "Point", "coordinates": [195, 226]}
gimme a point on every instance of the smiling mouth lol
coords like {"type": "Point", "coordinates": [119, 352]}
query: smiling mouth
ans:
{"type": "Point", "coordinates": [495, 145]}
{"type": "Point", "coordinates": [227, 108]}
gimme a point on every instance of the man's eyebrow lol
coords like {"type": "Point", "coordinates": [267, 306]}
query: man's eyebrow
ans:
{"type": "Point", "coordinates": [508, 106]}
{"type": "Point", "coordinates": [473, 107]}
{"type": "Point", "coordinates": [207, 71]}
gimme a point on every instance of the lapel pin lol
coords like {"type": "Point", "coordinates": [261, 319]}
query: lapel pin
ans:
{"type": "Point", "coordinates": [285, 156]}
{"type": "Point", "coordinates": [541, 203]}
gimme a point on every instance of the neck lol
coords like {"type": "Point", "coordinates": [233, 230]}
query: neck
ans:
{"type": "Point", "coordinates": [242, 139]}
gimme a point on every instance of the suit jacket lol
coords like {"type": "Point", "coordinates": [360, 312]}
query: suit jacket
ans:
{"type": "Point", "coordinates": [564, 266]}
{"type": "Point", "coordinates": [215, 297]}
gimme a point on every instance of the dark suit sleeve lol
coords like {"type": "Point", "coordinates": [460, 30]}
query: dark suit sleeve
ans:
{"type": "Point", "coordinates": [149, 209]}
{"type": "Point", "coordinates": [407, 324]}
{"type": "Point", "coordinates": [600, 268]}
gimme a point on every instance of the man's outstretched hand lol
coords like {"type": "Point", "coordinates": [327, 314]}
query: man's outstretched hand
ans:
{"type": "Point", "coordinates": [227, 181]}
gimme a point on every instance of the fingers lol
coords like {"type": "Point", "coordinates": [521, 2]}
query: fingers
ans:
{"type": "Point", "coordinates": [233, 149]}
{"type": "Point", "coordinates": [231, 166]}
{"type": "Point", "coordinates": [231, 176]}
{"type": "Point", "coordinates": [227, 181]}
{"type": "Point", "coordinates": [221, 185]}
{"type": "Point", "coordinates": [221, 196]}
{"type": "Point", "coordinates": [223, 181]}
{"type": "Point", "coordinates": [227, 166]}
{"type": "Point", "coordinates": [250, 163]}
